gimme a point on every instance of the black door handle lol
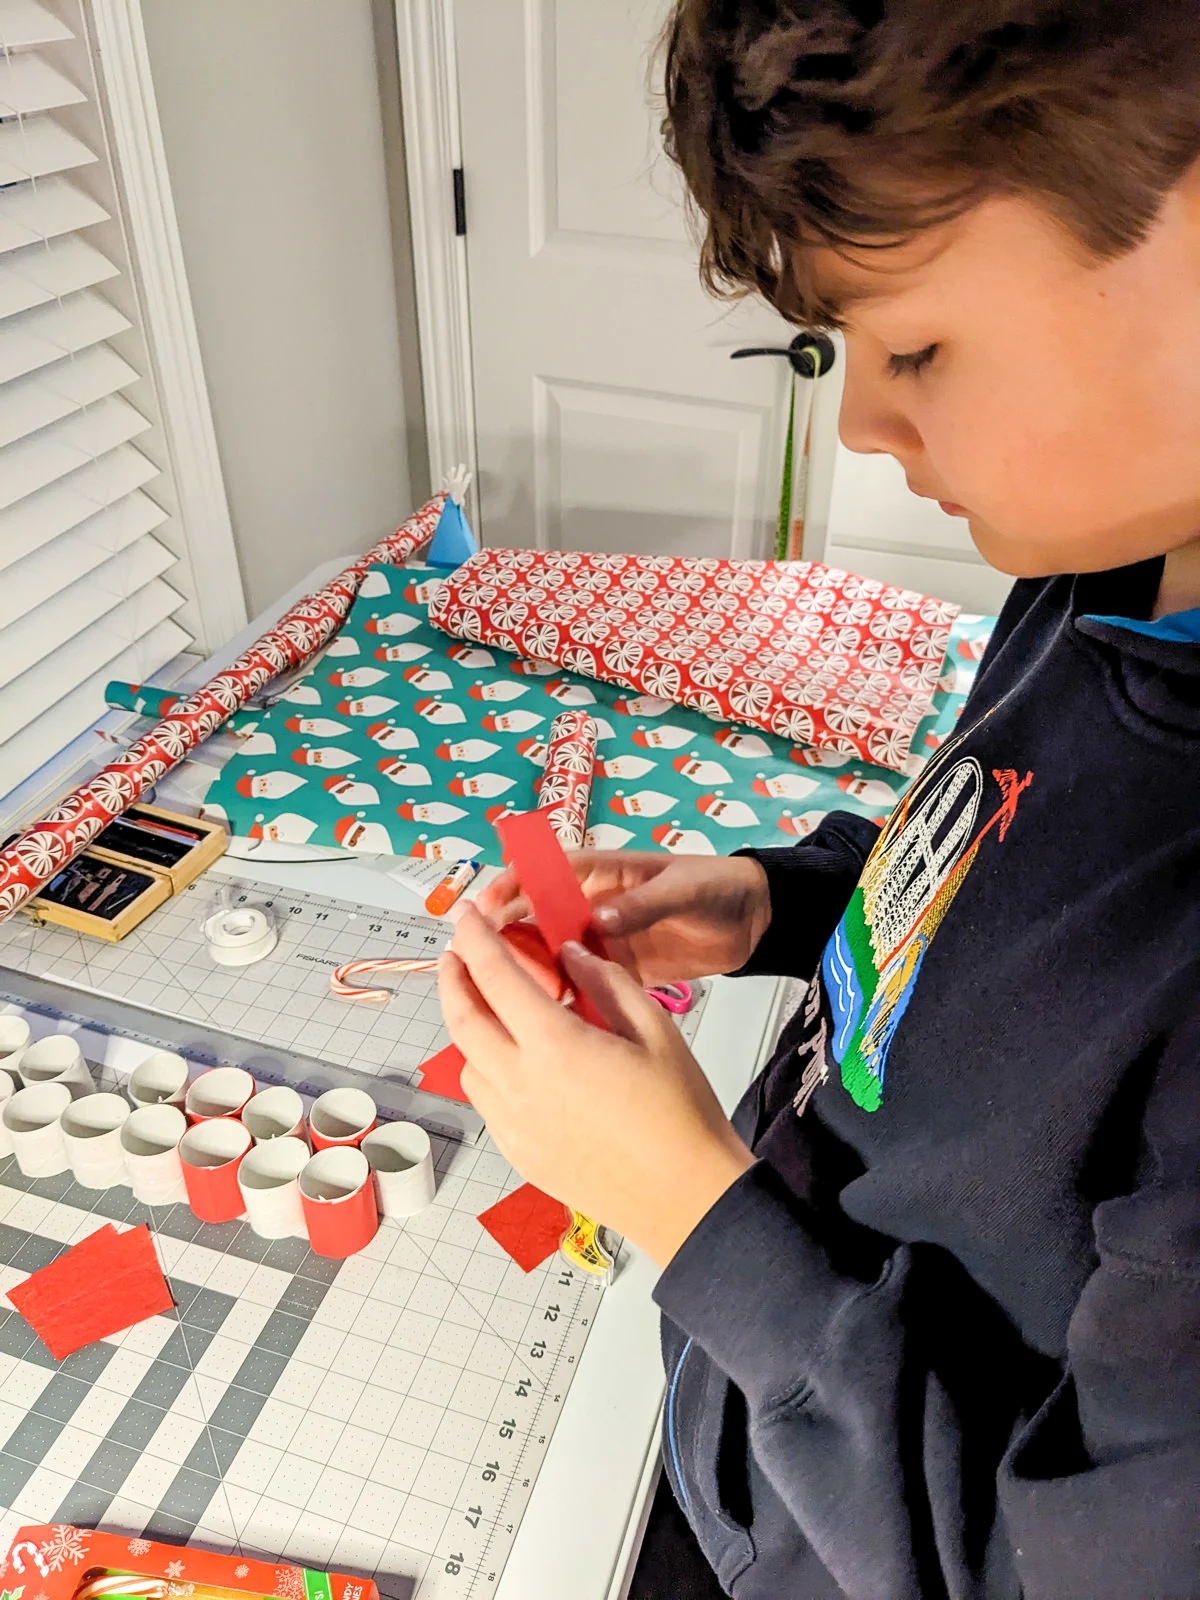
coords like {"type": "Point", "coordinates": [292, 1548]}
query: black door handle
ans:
{"type": "Point", "coordinates": [811, 354]}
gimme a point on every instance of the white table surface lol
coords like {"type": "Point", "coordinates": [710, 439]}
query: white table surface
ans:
{"type": "Point", "coordinates": [580, 1532]}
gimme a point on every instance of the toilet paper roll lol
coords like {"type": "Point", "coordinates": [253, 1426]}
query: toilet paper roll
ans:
{"type": "Point", "coordinates": [15, 1034]}
{"type": "Point", "coordinates": [219, 1092]}
{"type": "Point", "coordinates": [150, 1144]}
{"type": "Point", "coordinates": [269, 1178]}
{"type": "Point", "coordinates": [275, 1113]}
{"type": "Point", "coordinates": [8, 1087]}
{"type": "Point", "coordinates": [160, 1080]}
{"type": "Point", "coordinates": [341, 1117]}
{"type": "Point", "coordinates": [31, 1118]}
{"type": "Point", "coordinates": [338, 1196]}
{"type": "Point", "coordinates": [211, 1153]}
{"type": "Point", "coordinates": [91, 1131]}
{"type": "Point", "coordinates": [401, 1161]}
{"type": "Point", "coordinates": [56, 1059]}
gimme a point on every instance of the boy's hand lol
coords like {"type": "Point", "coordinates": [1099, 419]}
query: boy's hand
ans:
{"type": "Point", "coordinates": [622, 1126]}
{"type": "Point", "coordinates": [664, 918]}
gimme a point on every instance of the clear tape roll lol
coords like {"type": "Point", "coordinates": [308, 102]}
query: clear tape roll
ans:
{"type": "Point", "coordinates": [239, 936]}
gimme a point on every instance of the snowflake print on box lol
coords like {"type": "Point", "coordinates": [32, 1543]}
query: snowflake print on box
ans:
{"type": "Point", "coordinates": [833, 625]}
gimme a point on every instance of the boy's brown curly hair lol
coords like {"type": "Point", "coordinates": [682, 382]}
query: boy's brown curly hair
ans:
{"type": "Point", "coordinates": [863, 123]}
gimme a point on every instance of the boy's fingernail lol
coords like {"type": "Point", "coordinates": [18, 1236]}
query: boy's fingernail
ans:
{"type": "Point", "coordinates": [606, 916]}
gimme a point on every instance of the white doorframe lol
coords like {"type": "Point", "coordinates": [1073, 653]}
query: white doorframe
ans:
{"type": "Point", "coordinates": [168, 322]}
{"type": "Point", "coordinates": [433, 146]}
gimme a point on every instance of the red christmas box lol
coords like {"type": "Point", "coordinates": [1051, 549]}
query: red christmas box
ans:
{"type": "Point", "coordinates": [65, 1563]}
{"type": "Point", "coordinates": [799, 649]}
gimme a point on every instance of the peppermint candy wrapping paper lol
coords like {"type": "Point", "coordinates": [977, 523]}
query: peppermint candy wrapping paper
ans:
{"type": "Point", "coordinates": [46, 846]}
{"type": "Point", "coordinates": [814, 654]}
{"type": "Point", "coordinates": [565, 789]}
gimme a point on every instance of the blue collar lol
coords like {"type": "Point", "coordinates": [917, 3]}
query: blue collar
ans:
{"type": "Point", "coordinates": [1181, 627]}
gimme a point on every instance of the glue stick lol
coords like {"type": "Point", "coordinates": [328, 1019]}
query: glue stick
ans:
{"type": "Point", "coordinates": [452, 885]}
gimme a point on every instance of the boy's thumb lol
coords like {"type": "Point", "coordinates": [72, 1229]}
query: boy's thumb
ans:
{"type": "Point", "coordinates": [638, 909]}
{"type": "Point", "coordinates": [618, 999]}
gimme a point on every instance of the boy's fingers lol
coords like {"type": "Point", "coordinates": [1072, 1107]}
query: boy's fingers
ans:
{"type": "Point", "coordinates": [640, 908]}
{"type": "Point", "coordinates": [473, 1025]}
{"type": "Point", "coordinates": [618, 997]}
{"type": "Point", "coordinates": [505, 987]}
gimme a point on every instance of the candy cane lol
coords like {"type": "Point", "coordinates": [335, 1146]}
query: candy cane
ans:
{"type": "Point", "coordinates": [345, 990]}
{"type": "Point", "coordinates": [39, 1561]}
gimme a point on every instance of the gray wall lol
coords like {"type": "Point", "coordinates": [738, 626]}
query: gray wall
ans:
{"type": "Point", "coordinates": [282, 165]}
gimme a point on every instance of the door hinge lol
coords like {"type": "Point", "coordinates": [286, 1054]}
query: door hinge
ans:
{"type": "Point", "coordinates": [460, 203]}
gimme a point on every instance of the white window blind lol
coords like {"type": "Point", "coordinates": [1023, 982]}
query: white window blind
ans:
{"type": "Point", "coordinates": [86, 550]}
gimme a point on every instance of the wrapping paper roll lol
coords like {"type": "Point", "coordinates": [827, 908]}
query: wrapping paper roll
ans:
{"type": "Point", "coordinates": [566, 785]}
{"type": "Point", "coordinates": [48, 845]}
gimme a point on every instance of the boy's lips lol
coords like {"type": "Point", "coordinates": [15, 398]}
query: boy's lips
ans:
{"type": "Point", "coordinates": [950, 507]}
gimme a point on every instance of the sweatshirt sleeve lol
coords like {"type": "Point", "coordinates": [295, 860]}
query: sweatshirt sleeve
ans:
{"type": "Point", "coordinates": [810, 886]}
{"type": "Point", "coordinates": [841, 1381]}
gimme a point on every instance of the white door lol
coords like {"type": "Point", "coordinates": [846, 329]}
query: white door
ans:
{"type": "Point", "coordinates": [608, 412]}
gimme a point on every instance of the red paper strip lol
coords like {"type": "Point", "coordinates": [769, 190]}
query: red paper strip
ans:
{"type": "Point", "coordinates": [105, 1283]}
{"type": "Point", "coordinates": [560, 908]}
{"type": "Point", "coordinates": [528, 1224]}
{"type": "Point", "coordinates": [442, 1074]}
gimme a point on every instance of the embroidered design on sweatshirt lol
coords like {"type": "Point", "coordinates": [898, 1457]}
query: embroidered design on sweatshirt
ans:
{"type": "Point", "coordinates": [871, 964]}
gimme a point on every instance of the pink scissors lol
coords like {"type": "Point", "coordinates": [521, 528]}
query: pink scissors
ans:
{"type": "Point", "coordinates": [677, 998]}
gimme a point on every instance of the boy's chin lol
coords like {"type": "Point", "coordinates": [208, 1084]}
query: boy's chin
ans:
{"type": "Point", "coordinates": [1022, 558]}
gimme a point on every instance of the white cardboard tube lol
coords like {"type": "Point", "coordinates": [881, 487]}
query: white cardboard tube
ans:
{"type": "Point", "coordinates": [150, 1143]}
{"type": "Point", "coordinates": [219, 1092]}
{"type": "Point", "coordinates": [15, 1034]}
{"type": "Point", "coordinates": [31, 1117]}
{"type": "Point", "coordinates": [91, 1131]}
{"type": "Point", "coordinates": [160, 1080]}
{"type": "Point", "coordinates": [269, 1177]}
{"type": "Point", "coordinates": [275, 1113]}
{"type": "Point", "coordinates": [7, 1090]}
{"type": "Point", "coordinates": [401, 1159]}
{"type": "Point", "coordinates": [341, 1116]}
{"type": "Point", "coordinates": [57, 1059]}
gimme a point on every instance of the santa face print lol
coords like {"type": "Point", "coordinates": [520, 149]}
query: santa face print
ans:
{"type": "Point", "coordinates": [436, 811]}
{"type": "Point", "coordinates": [410, 774]}
{"type": "Point", "coordinates": [467, 750]}
{"type": "Point", "coordinates": [534, 669]}
{"type": "Point", "coordinates": [389, 737]}
{"type": "Point", "coordinates": [471, 656]}
{"type": "Point", "coordinates": [356, 677]}
{"type": "Point", "coordinates": [372, 838]}
{"type": "Point", "coordinates": [645, 803]}
{"type": "Point", "coordinates": [701, 771]}
{"type": "Point", "coordinates": [371, 705]}
{"type": "Point", "coordinates": [800, 827]}
{"type": "Point", "coordinates": [684, 841]}
{"type": "Point", "coordinates": [427, 678]}
{"type": "Point", "coordinates": [351, 793]}
{"type": "Point", "coordinates": [401, 652]}
{"type": "Point", "coordinates": [625, 767]}
{"type": "Point", "coordinates": [324, 755]}
{"type": "Point", "coordinates": [448, 849]}
{"type": "Point", "coordinates": [510, 721]}
{"type": "Point", "coordinates": [441, 712]}
{"type": "Point", "coordinates": [318, 727]}
{"type": "Point", "coordinates": [269, 785]}
{"type": "Point", "coordinates": [571, 694]}
{"type": "Point", "coordinates": [481, 785]}
{"type": "Point", "coordinates": [746, 745]}
{"type": "Point", "coordinates": [502, 691]}
{"type": "Point", "coordinates": [397, 623]}
{"type": "Point", "coordinates": [727, 813]}
{"type": "Point", "coordinates": [302, 694]}
{"type": "Point", "coordinates": [871, 791]}
{"type": "Point", "coordinates": [606, 836]}
{"type": "Point", "coordinates": [257, 744]}
{"type": "Point", "coordinates": [665, 738]}
{"type": "Point", "coordinates": [287, 828]}
{"type": "Point", "coordinates": [643, 705]}
{"type": "Point", "coordinates": [786, 786]}
{"type": "Point", "coordinates": [342, 646]}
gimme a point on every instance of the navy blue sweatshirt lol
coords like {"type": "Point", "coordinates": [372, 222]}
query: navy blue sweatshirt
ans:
{"type": "Point", "coordinates": [943, 1339]}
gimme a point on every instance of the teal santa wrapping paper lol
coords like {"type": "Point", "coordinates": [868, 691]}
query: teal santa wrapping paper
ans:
{"type": "Point", "coordinates": [399, 740]}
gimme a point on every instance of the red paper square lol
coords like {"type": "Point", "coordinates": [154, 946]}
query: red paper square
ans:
{"type": "Point", "coordinates": [528, 1224]}
{"type": "Point", "coordinates": [105, 1283]}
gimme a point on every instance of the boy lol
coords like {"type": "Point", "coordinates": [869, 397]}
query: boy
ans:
{"type": "Point", "coordinates": [932, 1300]}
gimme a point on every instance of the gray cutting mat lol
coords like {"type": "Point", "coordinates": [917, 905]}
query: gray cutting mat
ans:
{"type": "Point", "coordinates": [386, 1415]}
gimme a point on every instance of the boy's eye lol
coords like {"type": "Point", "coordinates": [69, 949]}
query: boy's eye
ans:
{"type": "Point", "coordinates": [915, 361]}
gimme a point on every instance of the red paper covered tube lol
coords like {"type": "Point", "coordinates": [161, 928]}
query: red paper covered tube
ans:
{"type": "Point", "coordinates": [566, 785]}
{"type": "Point", "coordinates": [46, 846]}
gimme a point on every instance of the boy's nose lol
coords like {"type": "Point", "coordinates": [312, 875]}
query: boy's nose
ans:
{"type": "Point", "coordinates": [872, 421]}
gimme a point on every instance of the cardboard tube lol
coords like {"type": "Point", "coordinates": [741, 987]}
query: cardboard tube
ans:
{"type": "Point", "coordinates": [8, 1087]}
{"type": "Point", "coordinates": [269, 1178]}
{"type": "Point", "coordinates": [275, 1113]}
{"type": "Point", "coordinates": [15, 1034]}
{"type": "Point", "coordinates": [160, 1080]}
{"type": "Point", "coordinates": [57, 1059]}
{"type": "Point", "coordinates": [219, 1092]}
{"type": "Point", "coordinates": [150, 1143]}
{"type": "Point", "coordinates": [31, 1118]}
{"type": "Point", "coordinates": [91, 1131]}
{"type": "Point", "coordinates": [211, 1153]}
{"type": "Point", "coordinates": [338, 1196]}
{"type": "Point", "coordinates": [401, 1161]}
{"type": "Point", "coordinates": [341, 1117]}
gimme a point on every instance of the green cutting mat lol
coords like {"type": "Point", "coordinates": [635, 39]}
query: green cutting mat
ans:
{"type": "Point", "coordinates": [399, 739]}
